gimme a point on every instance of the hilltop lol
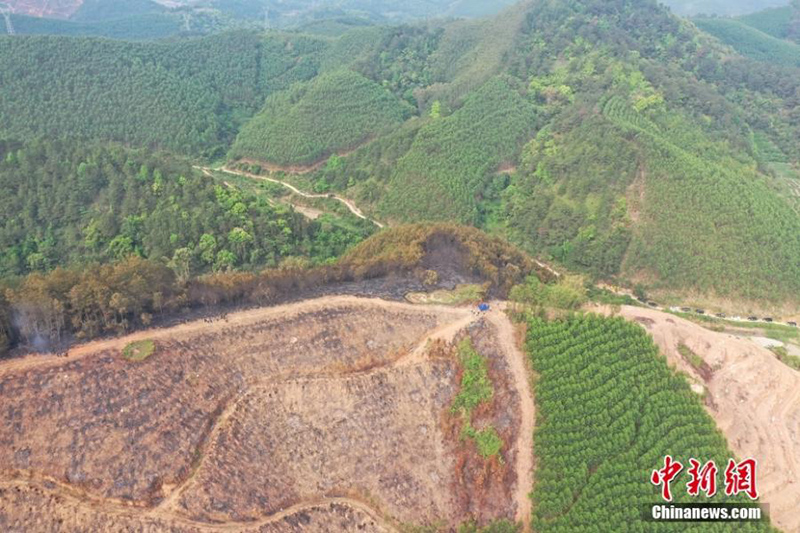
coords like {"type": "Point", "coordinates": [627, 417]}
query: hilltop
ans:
{"type": "Point", "coordinates": [580, 139]}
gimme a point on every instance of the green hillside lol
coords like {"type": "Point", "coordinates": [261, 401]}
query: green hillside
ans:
{"type": "Point", "coordinates": [619, 158]}
{"type": "Point", "coordinates": [698, 254]}
{"type": "Point", "coordinates": [188, 96]}
{"type": "Point", "coordinates": [607, 135]}
{"type": "Point", "coordinates": [73, 204]}
{"type": "Point", "coordinates": [336, 111]}
{"type": "Point", "coordinates": [721, 7]}
{"type": "Point", "coordinates": [751, 42]}
{"type": "Point", "coordinates": [776, 21]}
{"type": "Point", "coordinates": [453, 158]}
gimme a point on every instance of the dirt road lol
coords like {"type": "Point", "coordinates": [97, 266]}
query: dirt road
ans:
{"type": "Point", "coordinates": [521, 375]}
{"type": "Point", "coordinates": [233, 319]}
{"type": "Point", "coordinates": [345, 201]}
{"type": "Point", "coordinates": [128, 518]}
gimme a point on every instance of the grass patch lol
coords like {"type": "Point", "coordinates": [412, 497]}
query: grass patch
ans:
{"type": "Point", "coordinates": [693, 359]}
{"type": "Point", "coordinates": [461, 295]}
{"type": "Point", "coordinates": [139, 350]}
{"type": "Point", "coordinates": [476, 389]}
{"type": "Point", "coordinates": [779, 332]}
{"type": "Point", "coordinates": [488, 441]}
{"type": "Point", "coordinates": [792, 361]}
{"type": "Point", "coordinates": [606, 297]}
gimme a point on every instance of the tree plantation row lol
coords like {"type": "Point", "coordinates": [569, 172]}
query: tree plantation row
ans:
{"type": "Point", "coordinates": [609, 410]}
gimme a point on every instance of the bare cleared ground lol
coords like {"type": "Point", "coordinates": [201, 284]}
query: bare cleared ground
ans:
{"type": "Point", "coordinates": [753, 397]}
{"type": "Point", "coordinates": [324, 415]}
{"type": "Point", "coordinates": [33, 506]}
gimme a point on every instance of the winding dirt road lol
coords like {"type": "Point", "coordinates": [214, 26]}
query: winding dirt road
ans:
{"type": "Point", "coordinates": [351, 206]}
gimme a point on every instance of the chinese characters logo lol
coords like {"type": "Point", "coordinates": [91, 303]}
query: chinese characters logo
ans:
{"type": "Point", "coordinates": [739, 478]}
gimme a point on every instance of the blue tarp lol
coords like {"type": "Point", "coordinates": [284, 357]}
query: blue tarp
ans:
{"type": "Point", "coordinates": [483, 307]}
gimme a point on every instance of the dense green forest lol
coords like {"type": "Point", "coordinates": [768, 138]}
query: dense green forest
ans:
{"type": "Point", "coordinates": [454, 157]}
{"type": "Point", "coordinates": [188, 96]}
{"type": "Point", "coordinates": [615, 130]}
{"type": "Point", "coordinates": [140, 27]}
{"type": "Point", "coordinates": [70, 204]}
{"type": "Point", "coordinates": [609, 409]}
{"type": "Point", "coordinates": [147, 19]}
{"type": "Point", "coordinates": [609, 136]}
{"type": "Point", "coordinates": [722, 7]}
{"type": "Point", "coordinates": [334, 112]}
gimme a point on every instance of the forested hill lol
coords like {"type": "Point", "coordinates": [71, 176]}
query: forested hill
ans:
{"type": "Point", "coordinates": [189, 96]}
{"type": "Point", "coordinates": [772, 35]}
{"type": "Point", "coordinates": [722, 7]}
{"type": "Point", "coordinates": [781, 22]}
{"type": "Point", "coordinates": [68, 204]}
{"type": "Point", "coordinates": [610, 136]}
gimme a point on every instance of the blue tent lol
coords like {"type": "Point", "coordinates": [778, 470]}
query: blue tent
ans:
{"type": "Point", "coordinates": [483, 307]}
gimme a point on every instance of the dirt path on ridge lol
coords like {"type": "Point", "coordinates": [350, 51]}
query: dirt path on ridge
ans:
{"type": "Point", "coordinates": [350, 204]}
{"type": "Point", "coordinates": [521, 377]}
{"type": "Point", "coordinates": [233, 319]}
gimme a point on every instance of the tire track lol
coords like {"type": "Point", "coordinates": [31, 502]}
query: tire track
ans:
{"type": "Point", "coordinates": [516, 361]}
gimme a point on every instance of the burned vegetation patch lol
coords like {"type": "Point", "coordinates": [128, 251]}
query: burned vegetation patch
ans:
{"type": "Point", "coordinates": [481, 427]}
{"type": "Point", "coordinates": [326, 415]}
{"type": "Point", "coordinates": [372, 437]}
{"type": "Point", "coordinates": [122, 431]}
{"type": "Point", "coordinates": [36, 507]}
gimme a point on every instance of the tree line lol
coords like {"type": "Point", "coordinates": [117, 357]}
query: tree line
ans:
{"type": "Point", "coordinates": [43, 310]}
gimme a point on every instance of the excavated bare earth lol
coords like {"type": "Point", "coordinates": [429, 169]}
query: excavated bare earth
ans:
{"type": "Point", "coordinates": [752, 396]}
{"type": "Point", "coordinates": [324, 415]}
